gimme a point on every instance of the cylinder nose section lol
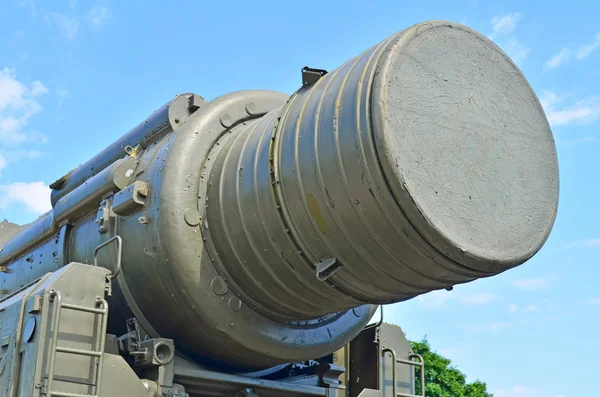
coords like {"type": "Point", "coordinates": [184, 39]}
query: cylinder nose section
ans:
{"type": "Point", "coordinates": [465, 146]}
{"type": "Point", "coordinates": [425, 162]}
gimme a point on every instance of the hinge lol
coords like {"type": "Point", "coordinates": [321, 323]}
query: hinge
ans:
{"type": "Point", "coordinates": [42, 387]}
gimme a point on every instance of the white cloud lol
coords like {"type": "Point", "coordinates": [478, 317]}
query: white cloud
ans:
{"type": "Point", "coordinates": [19, 154]}
{"type": "Point", "coordinates": [587, 49]}
{"type": "Point", "coordinates": [595, 301]}
{"type": "Point", "coordinates": [566, 54]}
{"type": "Point", "coordinates": [562, 57]}
{"type": "Point", "coordinates": [461, 349]}
{"type": "Point", "coordinates": [29, 4]}
{"type": "Point", "coordinates": [481, 298]}
{"type": "Point", "coordinates": [512, 308]}
{"type": "Point", "coordinates": [34, 196]}
{"type": "Point", "coordinates": [2, 163]}
{"type": "Point", "coordinates": [18, 103]}
{"type": "Point", "coordinates": [587, 243]}
{"type": "Point", "coordinates": [17, 106]}
{"type": "Point", "coordinates": [68, 26]}
{"type": "Point", "coordinates": [503, 25]}
{"type": "Point", "coordinates": [98, 16]}
{"type": "Point", "coordinates": [434, 299]}
{"type": "Point", "coordinates": [37, 89]}
{"type": "Point", "coordinates": [532, 284]}
{"type": "Point", "coordinates": [586, 110]}
{"type": "Point", "coordinates": [576, 141]}
{"type": "Point", "coordinates": [497, 325]}
{"type": "Point", "coordinates": [439, 298]}
{"type": "Point", "coordinates": [484, 327]}
{"type": "Point", "coordinates": [517, 391]}
{"type": "Point", "coordinates": [63, 93]}
{"type": "Point", "coordinates": [515, 49]}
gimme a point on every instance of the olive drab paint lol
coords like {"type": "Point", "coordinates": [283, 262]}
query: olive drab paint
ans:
{"type": "Point", "coordinates": [259, 229]}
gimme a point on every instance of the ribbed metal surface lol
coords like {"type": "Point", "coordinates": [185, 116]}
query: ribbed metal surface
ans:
{"type": "Point", "coordinates": [250, 235]}
{"type": "Point", "coordinates": [304, 188]}
{"type": "Point", "coordinates": [310, 190]}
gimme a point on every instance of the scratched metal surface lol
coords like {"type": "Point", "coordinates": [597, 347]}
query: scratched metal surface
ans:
{"type": "Point", "coordinates": [425, 162]}
{"type": "Point", "coordinates": [466, 147]}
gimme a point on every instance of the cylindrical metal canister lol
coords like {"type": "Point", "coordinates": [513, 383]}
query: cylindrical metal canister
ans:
{"type": "Point", "coordinates": [260, 229]}
{"type": "Point", "coordinates": [425, 162]}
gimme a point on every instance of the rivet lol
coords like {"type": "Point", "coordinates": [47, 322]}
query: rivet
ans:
{"type": "Point", "coordinates": [219, 286]}
{"type": "Point", "coordinates": [192, 217]}
{"type": "Point", "coordinates": [235, 304]}
{"type": "Point", "coordinates": [251, 108]}
{"type": "Point", "coordinates": [226, 120]}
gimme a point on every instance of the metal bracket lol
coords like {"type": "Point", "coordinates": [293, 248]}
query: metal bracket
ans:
{"type": "Point", "coordinates": [327, 267]}
{"type": "Point", "coordinates": [194, 102]}
{"type": "Point", "coordinates": [311, 76]}
{"type": "Point", "coordinates": [247, 392]}
{"type": "Point", "coordinates": [130, 198]}
{"type": "Point", "coordinates": [329, 374]}
{"type": "Point", "coordinates": [103, 215]}
{"type": "Point", "coordinates": [155, 354]}
{"type": "Point", "coordinates": [132, 340]}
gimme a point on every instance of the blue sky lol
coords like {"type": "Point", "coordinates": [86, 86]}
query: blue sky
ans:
{"type": "Point", "coordinates": [76, 75]}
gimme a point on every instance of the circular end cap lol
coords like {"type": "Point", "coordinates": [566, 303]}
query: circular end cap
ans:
{"type": "Point", "coordinates": [163, 353]}
{"type": "Point", "coordinates": [465, 145]}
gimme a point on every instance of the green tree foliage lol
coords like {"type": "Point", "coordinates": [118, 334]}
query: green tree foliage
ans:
{"type": "Point", "coordinates": [444, 380]}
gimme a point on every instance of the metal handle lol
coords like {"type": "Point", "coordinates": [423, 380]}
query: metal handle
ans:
{"type": "Point", "coordinates": [420, 364]}
{"type": "Point", "coordinates": [119, 241]}
{"type": "Point", "coordinates": [378, 323]}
